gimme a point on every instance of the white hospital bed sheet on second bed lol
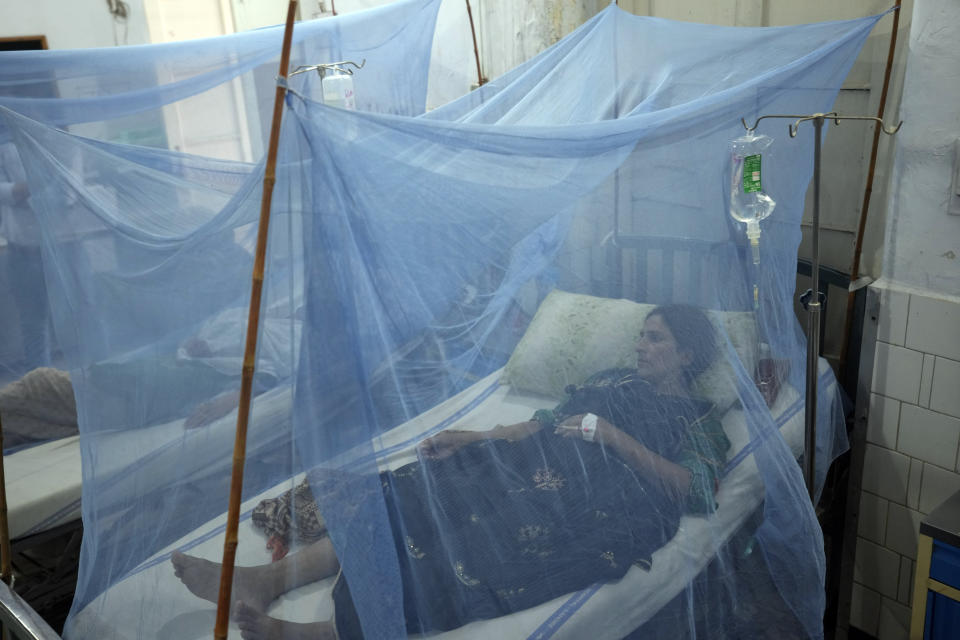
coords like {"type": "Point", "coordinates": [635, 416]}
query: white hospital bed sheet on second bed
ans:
{"type": "Point", "coordinates": [634, 599]}
{"type": "Point", "coordinates": [43, 486]}
{"type": "Point", "coordinates": [44, 482]}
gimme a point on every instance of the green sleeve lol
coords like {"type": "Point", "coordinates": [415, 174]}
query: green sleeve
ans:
{"type": "Point", "coordinates": [704, 456]}
{"type": "Point", "coordinates": [546, 417]}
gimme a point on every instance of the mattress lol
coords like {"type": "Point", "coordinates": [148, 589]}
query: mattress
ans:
{"type": "Point", "coordinates": [44, 482]}
{"type": "Point", "coordinates": [43, 486]}
{"type": "Point", "coordinates": [121, 612]}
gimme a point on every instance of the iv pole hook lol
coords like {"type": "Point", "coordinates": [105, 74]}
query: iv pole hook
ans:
{"type": "Point", "coordinates": [795, 126]}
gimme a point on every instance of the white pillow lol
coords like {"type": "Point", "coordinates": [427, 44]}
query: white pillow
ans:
{"type": "Point", "coordinates": [573, 336]}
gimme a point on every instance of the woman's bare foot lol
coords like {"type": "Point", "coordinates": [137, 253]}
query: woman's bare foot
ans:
{"type": "Point", "coordinates": [256, 586]}
{"type": "Point", "coordinates": [255, 625]}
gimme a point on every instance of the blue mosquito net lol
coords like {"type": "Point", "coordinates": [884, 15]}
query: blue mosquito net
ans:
{"type": "Point", "coordinates": [511, 378]}
{"type": "Point", "coordinates": [211, 97]}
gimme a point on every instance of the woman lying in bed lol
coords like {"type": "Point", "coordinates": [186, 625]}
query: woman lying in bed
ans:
{"type": "Point", "coordinates": [492, 522]}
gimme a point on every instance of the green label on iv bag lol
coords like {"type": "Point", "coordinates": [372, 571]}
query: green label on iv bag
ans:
{"type": "Point", "coordinates": [751, 174]}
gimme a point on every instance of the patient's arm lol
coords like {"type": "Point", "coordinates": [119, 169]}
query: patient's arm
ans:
{"type": "Point", "coordinates": [217, 407]}
{"type": "Point", "coordinates": [223, 403]}
{"type": "Point", "coordinates": [653, 467]}
{"type": "Point", "coordinates": [446, 443]}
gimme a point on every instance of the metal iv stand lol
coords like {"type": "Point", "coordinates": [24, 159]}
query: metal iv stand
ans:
{"type": "Point", "coordinates": [811, 299]}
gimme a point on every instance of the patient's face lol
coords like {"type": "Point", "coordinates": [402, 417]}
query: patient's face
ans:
{"type": "Point", "coordinates": [659, 358]}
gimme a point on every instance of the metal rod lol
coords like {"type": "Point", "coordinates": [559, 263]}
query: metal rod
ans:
{"type": "Point", "coordinates": [761, 118]}
{"type": "Point", "coordinates": [813, 324]}
{"type": "Point", "coordinates": [21, 618]}
{"type": "Point", "coordinates": [6, 572]}
{"type": "Point", "coordinates": [250, 349]}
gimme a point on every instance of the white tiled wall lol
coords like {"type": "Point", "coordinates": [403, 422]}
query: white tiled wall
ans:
{"type": "Point", "coordinates": [933, 326]}
{"type": "Point", "coordinates": [931, 436]}
{"type": "Point", "coordinates": [911, 461]}
{"type": "Point", "coordinates": [897, 372]}
{"type": "Point", "coordinates": [945, 394]}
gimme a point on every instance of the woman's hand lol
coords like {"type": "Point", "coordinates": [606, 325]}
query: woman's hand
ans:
{"type": "Point", "coordinates": [197, 348]}
{"type": "Point", "coordinates": [570, 428]}
{"type": "Point", "coordinates": [444, 444]}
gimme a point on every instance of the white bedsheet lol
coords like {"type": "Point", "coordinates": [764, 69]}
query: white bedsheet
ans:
{"type": "Point", "coordinates": [44, 482]}
{"type": "Point", "coordinates": [130, 608]}
{"type": "Point", "coordinates": [43, 486]}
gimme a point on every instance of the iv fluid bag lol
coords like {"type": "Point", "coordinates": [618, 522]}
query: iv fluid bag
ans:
{"type": "Point", "coordinates": [338, 91]}
{"type": "Point", "coordinates": [748, 202]}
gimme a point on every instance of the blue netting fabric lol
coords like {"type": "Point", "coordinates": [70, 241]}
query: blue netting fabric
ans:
{"type": "Point", "coordinates": [150, 95]}
{"type": "Point", "coordinates": [212, 97]}
{"type": "Point", "coordinates": [507, 375]}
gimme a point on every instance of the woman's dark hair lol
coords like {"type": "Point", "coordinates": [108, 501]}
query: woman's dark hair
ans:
{"type": "Point", "coordinates": [694, 333]}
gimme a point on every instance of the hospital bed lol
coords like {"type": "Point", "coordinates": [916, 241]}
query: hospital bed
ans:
{"type": "Point", "coordinates": [118, 613]}
{"type": "Point", "coordinates": [44, 486]}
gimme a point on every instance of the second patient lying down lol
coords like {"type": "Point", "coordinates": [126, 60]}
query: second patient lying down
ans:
{"type": "Point", "coordinates": [203, 375]}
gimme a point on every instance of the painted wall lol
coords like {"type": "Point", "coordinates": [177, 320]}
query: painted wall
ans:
{"type": "Point", "coordinates": [912, 459]}
{"type": "Point", "coordinates": [75, 24]}
{"type": "Point", "coordinates": [512, 32]}
{"type": "Point", "coordinates": [213, 123]}
{"type": "Point", "coordinates": [453, 66]}
{"type": "Point", "coordinates": [922, 240]}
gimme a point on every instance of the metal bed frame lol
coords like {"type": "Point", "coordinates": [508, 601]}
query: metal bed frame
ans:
{"type": "Point", "coordinates": [17, 616]}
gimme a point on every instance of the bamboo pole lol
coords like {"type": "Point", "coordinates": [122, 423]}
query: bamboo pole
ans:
{"type": "Point", "coordinates": [868, 192]}
{"type": "Point", "coordinates": [250, 350]}
{"type": "Point", "coordinates": [476, 51]}
{"type": "Point", "coordinates": [5, 568]}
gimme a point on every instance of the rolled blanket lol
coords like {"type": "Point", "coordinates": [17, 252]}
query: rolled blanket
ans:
{"type": "Point", "coordinates": [39, 406]}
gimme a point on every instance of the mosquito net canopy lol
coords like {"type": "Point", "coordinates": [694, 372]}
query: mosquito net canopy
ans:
{"type": "Point", "coordinates": [511, 379]}
{"type": "Point", "coordinates": [211, 98]}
